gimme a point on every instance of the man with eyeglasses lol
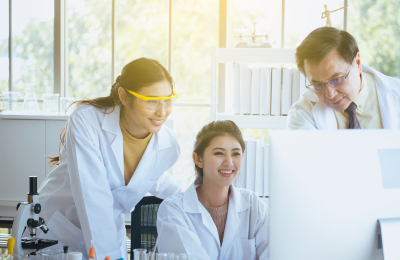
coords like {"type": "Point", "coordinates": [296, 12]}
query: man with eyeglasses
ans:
{"type": "Point", "coordinates": [342, 93]}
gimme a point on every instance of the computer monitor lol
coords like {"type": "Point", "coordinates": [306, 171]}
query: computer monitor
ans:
{"type": "Point", "coordinates": [327, 191]}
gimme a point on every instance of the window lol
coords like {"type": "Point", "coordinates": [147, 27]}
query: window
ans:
{"type": "Point", "coordinates": [302, 17]}
{"type": "Point", "coordinates": [194, 32]}
{"type": "Point", "coordinates": [89, 48]}
{"type": "Point", "coordinates": [267, 14]}
{"type": "Point", "coordinates": [376, 28]}
{"type": "Point", "coordinates": [32, 45]}
{"type": "Point", "coordinates": [4, 46]}
{"type": "Point", "coordinates": [142, 31]}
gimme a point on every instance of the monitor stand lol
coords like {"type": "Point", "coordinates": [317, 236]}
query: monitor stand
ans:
{"type": "Point", "coordinates": [390, 235]}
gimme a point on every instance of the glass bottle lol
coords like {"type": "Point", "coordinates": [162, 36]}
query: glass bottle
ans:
{"type": "Point", "coordinates": [30, 101]}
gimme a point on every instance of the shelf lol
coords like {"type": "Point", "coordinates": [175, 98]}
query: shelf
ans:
{"type": "Point", "coordinates": [256, 55]}
{"type": "Point", "coordinates": [256, 121]}
{"type": "Point", "coordinates": [36, 116]}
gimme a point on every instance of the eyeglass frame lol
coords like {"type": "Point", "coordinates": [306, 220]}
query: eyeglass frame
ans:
{"type": "Point", "coordinates": [345, 78]}
{"type": "Point", "coordinates": [174, 95]}
{"type": "Point", "coordinates": [144, 98]}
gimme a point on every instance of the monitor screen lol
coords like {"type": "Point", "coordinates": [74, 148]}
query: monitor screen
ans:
{"type": "Point", "coordinates": [327, 191]}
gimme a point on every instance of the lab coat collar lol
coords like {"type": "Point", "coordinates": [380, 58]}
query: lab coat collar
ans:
{"type": "Point", "coordinates": [325, 118]}
{"type": "Point", "coordinates": [159, 141]}
{"type": "Point", "coordinates": [237, 204]}
{"type": "Point", "coordinates": [236, 200]}
{"type": "Point", "coordinates": [386, 90]}
{"type": "Point", "coordinates": [111, 125]}
{"type": "Point", "coordinates": [111, 121]}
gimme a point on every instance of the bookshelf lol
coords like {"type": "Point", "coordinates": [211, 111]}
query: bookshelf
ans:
{"type": "Point", "coordinates": [228, 56]}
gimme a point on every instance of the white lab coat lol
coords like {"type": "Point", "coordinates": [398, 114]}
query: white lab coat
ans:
{"type": "Point", "coordinates": [322, 117]}
{"type": "Point", "coordinates": [85, 197]}
{"type": "Point", "coordinates": [187, 227]}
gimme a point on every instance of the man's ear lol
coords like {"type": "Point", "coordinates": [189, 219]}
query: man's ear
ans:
{"type": "Point", "coordinates": [123, 97]}
{"type": "Point", "coordinates": [358, 62]}
{"type": "Point", "coordinates": [197, 160]}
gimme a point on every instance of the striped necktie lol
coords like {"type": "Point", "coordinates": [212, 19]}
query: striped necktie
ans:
{"type": "Point", "coordinates": [353, 121]}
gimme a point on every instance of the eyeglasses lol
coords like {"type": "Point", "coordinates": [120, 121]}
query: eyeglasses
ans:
{"type": "Point", "coordinates": [334, 83]}
{"type": "Point", "coordinates": [153, 103]}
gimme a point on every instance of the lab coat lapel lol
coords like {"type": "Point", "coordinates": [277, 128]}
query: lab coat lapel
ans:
{"type": "Point", "coordinates": [324, 117]}
{"type": "Point", "coordinates": [237, 204]}
{"type": "Point", "coordinates": [111, 125]}
{"type": "Point", "coordinates": [191, 204]}
{"type": "Point", "coordinates": [151, 157]}
{"type": "Point", "coordinates": [388, 100]}
{"type": "Point", "coordinates": [146, 174]}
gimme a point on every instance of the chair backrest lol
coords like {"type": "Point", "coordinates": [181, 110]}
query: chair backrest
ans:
{"type": "Point", "coordinates": [143, 223]}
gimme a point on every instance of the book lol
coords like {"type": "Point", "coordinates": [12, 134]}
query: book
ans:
{"type": "Point", "coordinates": [236, 88]}
{"type": "Point", "coordinates": [241, 177]}
{"type": "Point", "coordinates": [251, 161]}
{"type": "Point", "coordinates": [265, 91]}
{"type": "Point", "coordinates": [286, 90]}
{"type": "Point", "coordinates": [267, 163]}
{"type": "Point", "coordinates": [255, 90]}
{"type": "Point", "coordinates": [260, 171]}
{"type": "Point", "coordinates": [295, 85]}
{"type": "Point", "coordinates": [276, 91]}
{"type": "Point", "coordinates": [245, 89]}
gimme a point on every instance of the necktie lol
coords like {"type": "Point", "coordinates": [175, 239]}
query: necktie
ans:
{"type": "Point", "coordinates": [353, 121]}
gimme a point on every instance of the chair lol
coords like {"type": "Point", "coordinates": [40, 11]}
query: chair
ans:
{"type": "Point", "coordinates": [143, 223]}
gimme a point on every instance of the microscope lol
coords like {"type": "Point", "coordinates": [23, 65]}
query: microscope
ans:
{"type": "Point", "coordinates": [27, 217]}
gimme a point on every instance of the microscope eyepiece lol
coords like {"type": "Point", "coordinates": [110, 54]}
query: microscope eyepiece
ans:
{"type": "Point", "coordinates": [33, 185]}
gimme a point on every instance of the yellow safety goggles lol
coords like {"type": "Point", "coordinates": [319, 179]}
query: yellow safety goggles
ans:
{"type": "Point", "coordinates": [174, 95]}
{"type": "Point", "coordinates": [154, 103]}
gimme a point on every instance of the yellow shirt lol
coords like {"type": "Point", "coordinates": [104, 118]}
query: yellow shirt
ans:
{"type": "Point", "coordinates": [133, 152]}
{"type": "Point", "coordinates": [368, 112]}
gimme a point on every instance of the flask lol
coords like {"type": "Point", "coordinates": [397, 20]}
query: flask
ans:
{"type": "Point", "coordinates": [30, 101]}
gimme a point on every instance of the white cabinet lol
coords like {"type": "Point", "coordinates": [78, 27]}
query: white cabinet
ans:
{"type": "Point", "coordinates": [24, 142]}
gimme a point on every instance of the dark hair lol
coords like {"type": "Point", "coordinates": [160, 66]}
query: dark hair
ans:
{"type": "Point", "coordinates": [321, 41]}
{"type": "Point", "coordinates": [135, 75]}
{"type": "Point", "coordinates": [209, 132]}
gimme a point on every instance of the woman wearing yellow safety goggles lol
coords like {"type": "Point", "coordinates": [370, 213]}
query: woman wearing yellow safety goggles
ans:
{"type": "Point", "coordinates": [116, 149]}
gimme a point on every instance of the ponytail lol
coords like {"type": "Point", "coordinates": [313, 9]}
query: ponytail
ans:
{"type": "Point", "coordinates": [135, 75]}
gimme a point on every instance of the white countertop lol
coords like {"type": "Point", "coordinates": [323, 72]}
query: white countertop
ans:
{"type": "Point", "coordinates": [32, 116]}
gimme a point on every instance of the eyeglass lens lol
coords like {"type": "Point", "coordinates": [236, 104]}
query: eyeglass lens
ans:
{"type": "Point", "coordinates": [155, 104]}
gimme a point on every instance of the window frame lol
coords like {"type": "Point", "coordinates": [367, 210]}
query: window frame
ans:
{"type": "Point", "coordinates": [61, 42]}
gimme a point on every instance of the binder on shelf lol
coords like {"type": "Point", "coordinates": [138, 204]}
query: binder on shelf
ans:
{"type": "Point", "coordinates": [255, 90]}
{"type": "Point", "coordinates": [236, 88]}
{"type": "Point", "coordinates": [295, 86]}
{"type": "Point", "coordinates": [267, 163]}
{"type": "Point", "coordinates": [286, 90]}
{"type": "Point", "coordinates": [245, 89]}
{"type": "Point", "coordinates": [276, 91]}
{"type": "Point", "coordinates": [265, 91]}
{"type": "Point", "coordinates": [260, 171]}
{"type": "Point", "coordinates": [241, 178]}
{"type": "Point", "coordinates": [251, 161]}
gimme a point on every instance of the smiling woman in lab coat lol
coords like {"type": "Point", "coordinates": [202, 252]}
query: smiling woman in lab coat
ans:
{"type": "Point", "coordinates": [212, 219]}
{"type": "Point", "coordinates": [116, 149]}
